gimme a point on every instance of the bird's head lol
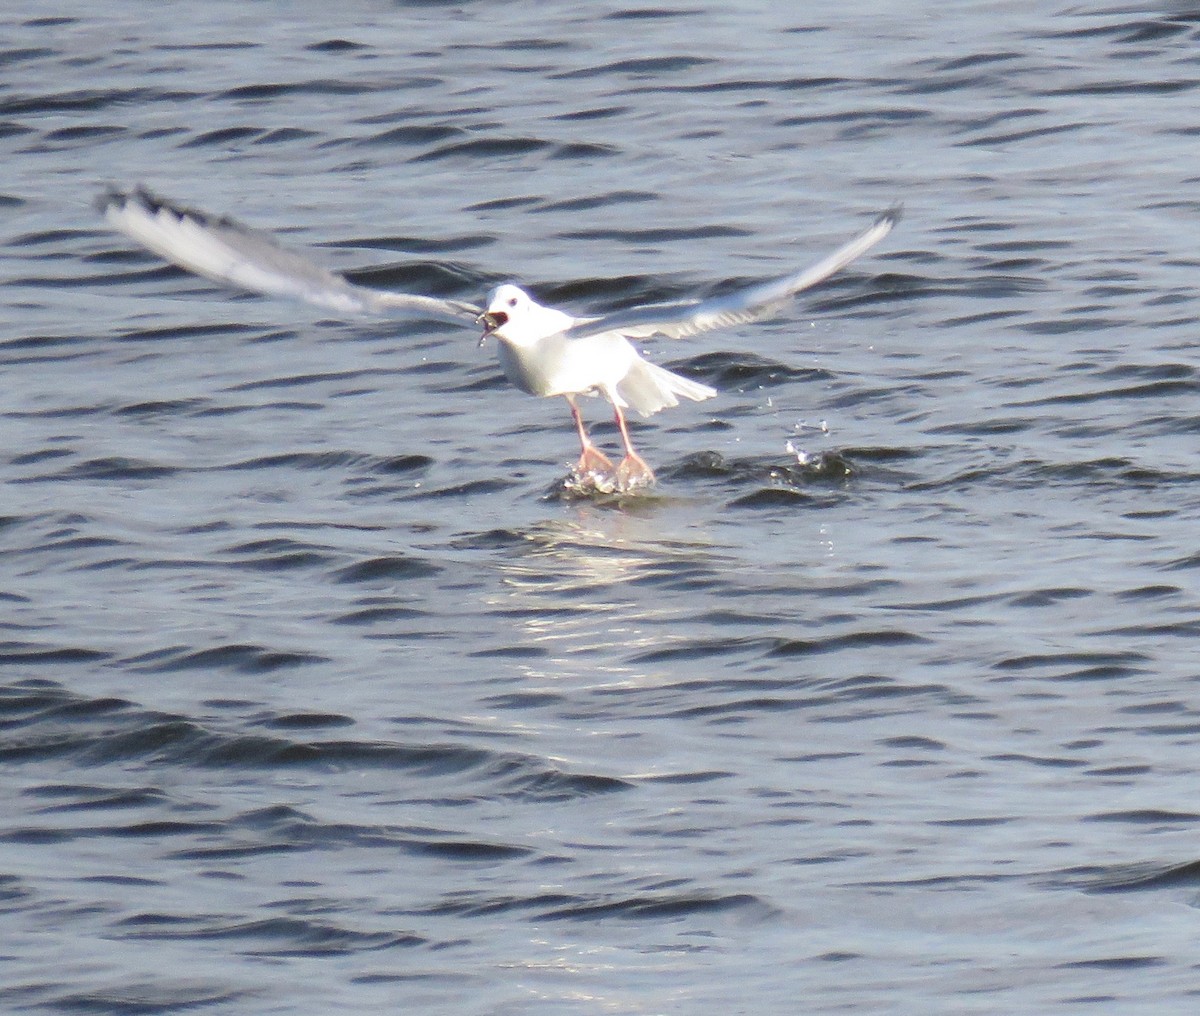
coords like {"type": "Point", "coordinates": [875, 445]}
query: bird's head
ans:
{"type": "Point", "coordinates": [506, 306]}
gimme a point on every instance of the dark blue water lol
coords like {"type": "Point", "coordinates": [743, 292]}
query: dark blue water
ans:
{"type": "Point", "coordinates": [315, 696]}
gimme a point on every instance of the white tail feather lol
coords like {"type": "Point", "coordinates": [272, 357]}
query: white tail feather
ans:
{"type": "Point", "coordinates": [649, 388]}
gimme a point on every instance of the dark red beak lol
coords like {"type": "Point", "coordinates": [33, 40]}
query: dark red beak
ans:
{"type": "Point", "coordinates": [491, 320]}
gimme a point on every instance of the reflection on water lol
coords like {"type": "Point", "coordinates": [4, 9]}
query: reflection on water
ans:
{"type": "Point", "coordinates": [583, 587]}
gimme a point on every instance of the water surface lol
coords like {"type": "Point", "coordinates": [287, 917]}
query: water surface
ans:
{"type": "Point", "coordinates": [315, 694]}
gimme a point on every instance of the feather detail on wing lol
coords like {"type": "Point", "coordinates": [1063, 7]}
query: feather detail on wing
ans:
{"type": "Point", "coordinates": [227, 252]}
{"type": "Point", "coordinates": [677, 321]}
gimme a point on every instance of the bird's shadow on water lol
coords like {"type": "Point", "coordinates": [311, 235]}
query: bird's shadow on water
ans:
{"type": "Point", "coordinates": [803, 481]}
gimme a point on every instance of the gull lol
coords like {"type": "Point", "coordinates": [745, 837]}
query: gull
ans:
{"type": "Point", "coordinates": [543, 351]}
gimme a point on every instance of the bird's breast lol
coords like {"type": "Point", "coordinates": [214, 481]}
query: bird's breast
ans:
{"type": "Point", "coordinates": [531, 368]}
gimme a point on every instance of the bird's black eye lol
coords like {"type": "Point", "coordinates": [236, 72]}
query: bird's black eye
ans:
{"type": "Point", "coordinates": [512, 301]}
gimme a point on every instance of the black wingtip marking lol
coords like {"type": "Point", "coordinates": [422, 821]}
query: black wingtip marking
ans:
{"type": "Point", "coordinates": [108, 198]}
{"type": "Point", "coordinates": [151, 204]}
{"type": "Point", "coordinates": [115, 197]}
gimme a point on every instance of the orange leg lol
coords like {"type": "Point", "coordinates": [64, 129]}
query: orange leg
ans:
{"type": "Point", "coordinates": [591, 459]}
{"type": "Point", "coordinates": [633, 471]}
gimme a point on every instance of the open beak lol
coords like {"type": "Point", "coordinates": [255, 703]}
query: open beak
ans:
{"type": "Point", "coordinates": [491, 320]}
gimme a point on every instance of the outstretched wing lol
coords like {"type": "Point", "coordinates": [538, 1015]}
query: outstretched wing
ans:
{"type": "Point", "coordinates": [677, 321]}
{"type": "Point", "coordinates": [227, 252]}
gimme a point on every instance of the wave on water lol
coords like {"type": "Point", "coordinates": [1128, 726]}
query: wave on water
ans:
{"type": "Point", "coordinates": [43, 720]}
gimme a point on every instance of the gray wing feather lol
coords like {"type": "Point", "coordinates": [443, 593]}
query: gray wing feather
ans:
{"type": "Point", "coordinates": [225, 251]}
{"type": "Point", "coordinates": [677, 321]}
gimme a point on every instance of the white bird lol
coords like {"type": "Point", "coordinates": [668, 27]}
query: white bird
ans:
{"type": "Point", "coordinates": [543, 351]}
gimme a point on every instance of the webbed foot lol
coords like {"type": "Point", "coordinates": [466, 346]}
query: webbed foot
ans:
{"type": "Point", "coordinates": [633, 473]}
{"type": "Point", "coordinates": [594, 462]}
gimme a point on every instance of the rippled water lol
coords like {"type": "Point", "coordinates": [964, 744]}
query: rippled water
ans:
{"type": "Point", "coordinates": [316, 697]}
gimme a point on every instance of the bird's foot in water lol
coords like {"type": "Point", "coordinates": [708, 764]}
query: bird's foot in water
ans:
{"type": "Point", "coordinates": [633, 474]}
{"type": "Point", "coordinates": [594, 473]}
{"type": "Point", "coordinates": [593, 462]}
